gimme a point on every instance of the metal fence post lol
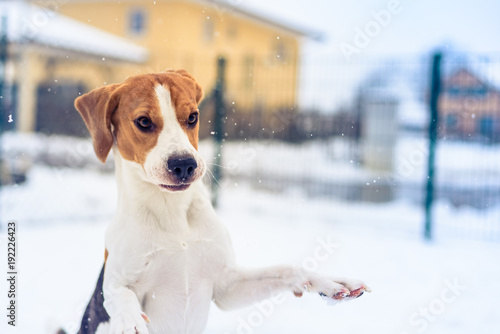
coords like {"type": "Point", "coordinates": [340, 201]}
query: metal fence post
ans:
{"type": "Point", "coordinates": [218, 127]}
{"type": "Point", "coordinates": [3, 61]}
{"type": "Point", "coordinates": [433, 132]}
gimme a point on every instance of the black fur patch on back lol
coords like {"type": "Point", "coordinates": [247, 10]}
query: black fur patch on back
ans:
{"type": "Point", "coordinates": [95, 313]}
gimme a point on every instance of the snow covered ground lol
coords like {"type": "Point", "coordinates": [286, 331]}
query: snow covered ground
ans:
{"type": "Point", "coordinates": [447, 286]}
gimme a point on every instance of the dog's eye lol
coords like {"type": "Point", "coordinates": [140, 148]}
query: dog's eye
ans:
{"type": "Point", "coordinates": [143, 123]}
{"type": "Point", "coordinates": [193, 118]}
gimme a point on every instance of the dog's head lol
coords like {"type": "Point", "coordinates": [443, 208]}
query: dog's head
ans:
{"type": "Point", "coordinates": [153, 120]}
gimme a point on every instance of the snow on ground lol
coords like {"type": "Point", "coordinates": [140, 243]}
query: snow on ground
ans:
{"type": "Point", "coordinates": [447, 286]}
{"type": "Point", "coordinates": [336, 159]}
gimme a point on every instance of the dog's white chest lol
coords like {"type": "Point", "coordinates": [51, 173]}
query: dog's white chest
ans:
{"type": "Point", "coordinates": [176, 287]}
{"type": "Point", "coordinates": [184, 260]}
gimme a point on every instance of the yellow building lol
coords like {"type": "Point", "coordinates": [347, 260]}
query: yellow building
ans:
{"type": "Point", "coordinates": [262, 54]}
{"type": "Point", "coordinates": [47, 60]}
{"type": "Point", "coordinates": [84, 44]}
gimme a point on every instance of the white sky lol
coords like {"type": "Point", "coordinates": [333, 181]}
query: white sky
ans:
{"type": "Point", "coordinates": [419, 25]}
{"type": "Point", "coordinates": [417, 28]}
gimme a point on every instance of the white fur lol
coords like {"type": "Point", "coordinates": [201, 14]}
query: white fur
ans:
{"type": "Point", "coordinates": [171, 142]}
{"type": "Point", "coordinates": [169, 256]}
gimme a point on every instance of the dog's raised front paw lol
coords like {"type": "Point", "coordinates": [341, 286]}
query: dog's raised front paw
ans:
{"type": "Point", "coordinates": [356, 288]}
{"type": "Point", "coordinates": [337, 289]}
{"type": "Point", "coordinates": [133, 323]}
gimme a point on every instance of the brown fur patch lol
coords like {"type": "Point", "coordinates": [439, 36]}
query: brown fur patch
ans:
{"type": "Point", "coordinates": [137, 99]}
{"type": "Point", "coordinates": [121, 104]}
{"type": "Point", "coordinates": [96, 109]}
{"type": "Point", "coordinates": [185, 94]}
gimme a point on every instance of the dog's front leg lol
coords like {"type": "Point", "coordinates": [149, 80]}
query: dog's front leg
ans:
{"type": "Point", "coordinates": [122, 305]}
{"type": "Point", "coordinates": [238, 287]}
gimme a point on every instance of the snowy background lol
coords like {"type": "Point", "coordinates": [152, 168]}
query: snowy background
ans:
{"type": "Point", "coordinates": [285, 212]}
{"type": "Point", "coordinates": [413, 28]}
{"type": "Point", "coordinates": [62, 214]}
{"type": "Point", "coordinates": [416, 25]}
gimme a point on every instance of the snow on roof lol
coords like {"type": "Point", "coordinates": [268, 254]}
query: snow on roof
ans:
{"type": "Point", "coordinates": [485, 68]}
{"type": "Point", "coordinates": [238, 7]}
{"type": "Point", "coordinates": [489, 73]}
{"type": "Point", "coordinates": [27, 23]}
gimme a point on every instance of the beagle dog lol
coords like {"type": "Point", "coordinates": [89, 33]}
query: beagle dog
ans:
{"type": "Point", "coordinates": [167, 256]}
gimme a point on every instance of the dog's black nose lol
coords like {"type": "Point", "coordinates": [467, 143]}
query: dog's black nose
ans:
{"type": "Point", "coordinates": [182, 167]}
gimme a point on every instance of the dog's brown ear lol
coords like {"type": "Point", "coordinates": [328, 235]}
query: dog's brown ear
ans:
{"type": "Point", "coordinates": [96, 108]}
{"type": "Point", "coordinates": [199, 90]}
{"type": "Point", "coordinates": [199, 93]}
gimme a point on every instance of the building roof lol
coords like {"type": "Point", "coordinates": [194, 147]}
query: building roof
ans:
{"type": "Point", "coordinates": [485, 69]}
{"type": "Point", "coordinates": [488, 74]}
{"type": "Point", "coordinates": [236, 7]}
{"type": "Point", "coordinates": [266, 19]}
{"type": "Point", "coordinates": [31, 24]}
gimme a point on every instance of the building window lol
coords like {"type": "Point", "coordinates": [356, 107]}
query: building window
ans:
{"type": "Point", "coordinates": [454, 90]}
{"type": "Point", "coordinates": [486, 126]}
{"type": "Point", "coordinates": [248, 72]}
{"type": "Point", "coordinates": [451, 121]}
{"type": "Point", "coordinates": [480, 91]}
{"type": "Point", "coordinates": [232, 31]}
{"type": "Point", "coordinates": [137, 22]}
{"type": "Point", "coordinates": [208, 30]}
{"type": "Point", "coordinates": [281, 51]}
